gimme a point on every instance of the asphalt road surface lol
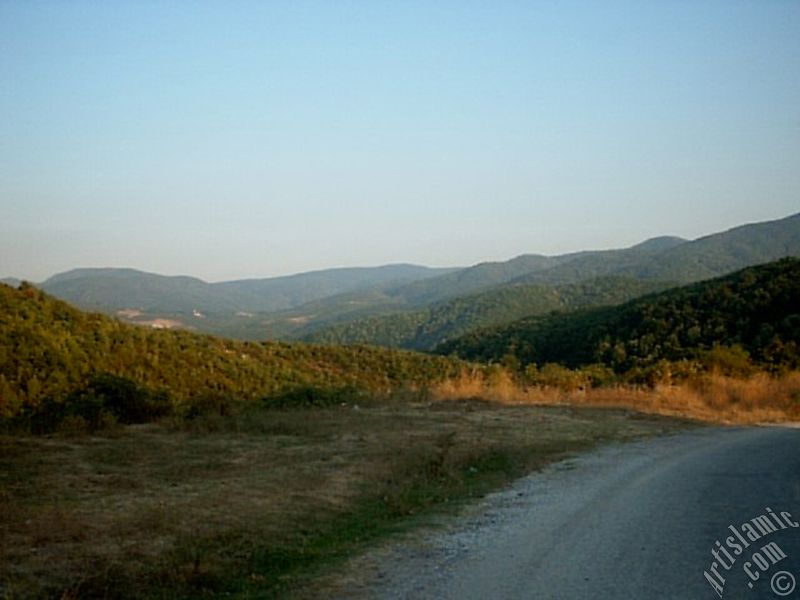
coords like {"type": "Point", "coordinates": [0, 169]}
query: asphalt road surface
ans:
{"type": "Point", "coordinates": [630, 521]}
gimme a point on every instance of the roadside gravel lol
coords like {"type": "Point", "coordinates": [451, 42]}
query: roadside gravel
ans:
{"type": "Point", "coordinates": [628, 520]}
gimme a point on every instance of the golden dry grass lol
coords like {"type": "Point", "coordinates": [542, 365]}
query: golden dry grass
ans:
{"type": "Point", "coordinates": [714, 397]}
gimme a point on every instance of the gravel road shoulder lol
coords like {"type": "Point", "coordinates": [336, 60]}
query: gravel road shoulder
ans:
{"type": "Point", "coordinates": [572, 511]}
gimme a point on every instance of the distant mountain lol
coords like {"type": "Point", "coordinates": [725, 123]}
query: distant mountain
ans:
{"type": "Point", "coordinates": [472, 279]}
{"type": "Point", "coordinates": [757, 308]}
{"type": "Point", "coordinates": [280, 293]}
{"type": "Point", "coordinates": [659, 244]}
{"type": "Point", "coordinates": [12, 281]}
{"type": "Point", "coordinates": [666, 258]}
{"type": "Point", "coordinates": [671, 259]}
{"type": "Point", "coordinates": [532, 268]}
{"type": "Point", "coordinates": [426, 328]}
{"type": "Point", "coordinates": [300, 306]}
{"type": "Point", "coordinates": [431, 311]}
{"type": "Point", "coordinates": [117, 289]}
{"type": "Point", "coordinates": [721, 253]}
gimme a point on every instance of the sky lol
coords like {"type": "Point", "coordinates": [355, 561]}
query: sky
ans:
{"type": "Point", "coordinates": [251, 139]}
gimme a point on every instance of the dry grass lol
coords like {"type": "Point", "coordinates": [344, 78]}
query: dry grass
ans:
{"type": "Point", "coordinates": [248, 505]}
{"type": "Point", "coordinates": [713, 398]}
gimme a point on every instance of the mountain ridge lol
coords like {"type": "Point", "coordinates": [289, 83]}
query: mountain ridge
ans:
{"type": "Point", "coordinates": [293, 306]}
{"type": "Point", "coordinates": [656, 260]}
{"type": "Point", "coordinates": [114, 289]}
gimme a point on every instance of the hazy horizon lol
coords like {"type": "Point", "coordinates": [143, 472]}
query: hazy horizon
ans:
{"type": "Point", "coordinates": [231, 141]}
{"type": "Point", "coordinates": [365, 265]}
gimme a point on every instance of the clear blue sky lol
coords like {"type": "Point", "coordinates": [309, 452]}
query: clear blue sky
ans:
{"type": "Point", "coordinates": [234, 139]}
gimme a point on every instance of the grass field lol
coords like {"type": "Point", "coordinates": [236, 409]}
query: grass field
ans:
{"type": "Point", "coordinates": [260, 503]}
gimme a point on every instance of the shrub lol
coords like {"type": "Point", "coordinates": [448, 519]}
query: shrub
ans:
{"type": "Point", "coordinates": [598, 375]}
{"type": "Point", "coordinates": [128, 401]}
{"type": "Point", "coordinates": [728, 360]}
{"type": "Point", "coordinates": [104, 401]}
{"type": "Point", "coordinates": [45, 418]}
{"type": "Point", "coordinates": [315, 397]}
{"type": "Point", "coordinates": [557, 376]}
{"type": "Point", "coordinates": [210, 403]}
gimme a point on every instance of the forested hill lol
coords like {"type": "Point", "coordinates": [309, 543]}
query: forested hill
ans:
{"type": "Point", "coordinates": [115, 289]}
{"type": "Point", "coordinates": [48, 349]}
{"type": "Point", "coordinates": [670, 260]}
{"type": "Point", "coordinates": [298, 306]}
{"type": "Point", "coordinates": [757, 308]}
{"type": "Point", "coordinates": [426, 328]}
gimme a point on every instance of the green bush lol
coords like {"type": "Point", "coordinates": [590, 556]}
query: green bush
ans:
{"type": "Point", "coordinates": [558, 376]}
{"type": "Point", "coordinates": [128, 401]}
{"type": "Point", "coordinates": [598, 375]}
{"type": "Point", "coordinates": [210, 404]}
{"type": "Point", "coordinates": [105, 400]}
{"type": "Point", "coordinates": [728, 360]}
{"type": "Point", "coordinates": [45, 418]}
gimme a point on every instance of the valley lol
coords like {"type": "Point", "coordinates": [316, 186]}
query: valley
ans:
{"type": "Point", "coordinates": [142, 454]}
{"type": "Point", "coordinates": [418, 307]}
{"type": "Point", "coordinates": [381, 300]}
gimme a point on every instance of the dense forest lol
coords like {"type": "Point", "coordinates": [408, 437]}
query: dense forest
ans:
{"type": "Point", "coordinates": [754, 312]}
{"type": "Point", "coordinates": [426, 328]}
{"type": "Point", "coordinates": [49, 350]}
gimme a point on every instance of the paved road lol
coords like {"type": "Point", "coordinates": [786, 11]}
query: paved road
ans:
{"type": "Point", "coordinates": [630, 521]}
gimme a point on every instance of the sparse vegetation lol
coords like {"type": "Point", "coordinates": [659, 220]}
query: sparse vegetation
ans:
{"type": "Point", "coordinates": [255, 504]}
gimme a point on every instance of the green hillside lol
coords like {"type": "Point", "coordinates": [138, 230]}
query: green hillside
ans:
{"type": "Point", "coordinates": [419, 314]}
{"type": "Point", "coordinates": [721, 253]}
{"type": "Point", "coordinates": [686, 262]}
{"type": "Point", "coordinates": [49, 349]}
{"type": "Point", "coordinates": [666, 258]}
{"type": "Point", "coordinates": [116, 289]}
{"type": "Point", "coordinates": [290, 291]}
{"type": "Point", "coordinates": [757, 309]}
{"type": "Point", "coordinates": [473, 279]}
{"type": "Point", "coordinates": [424, 329]}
